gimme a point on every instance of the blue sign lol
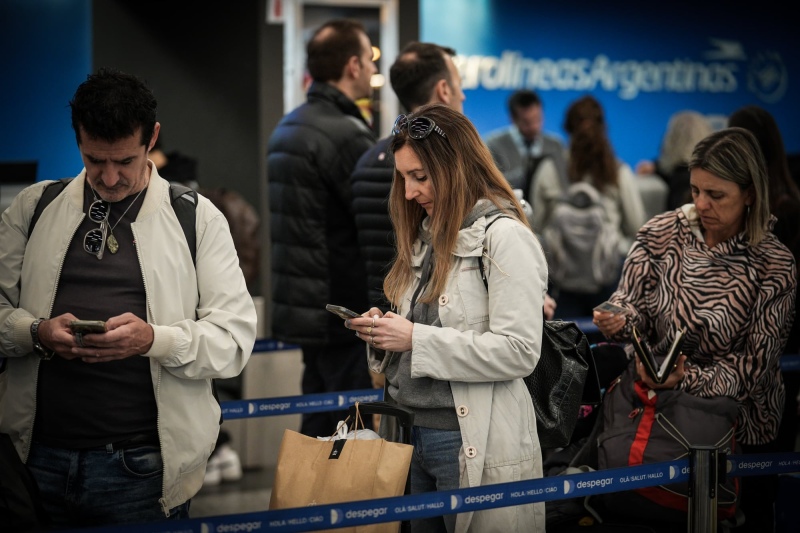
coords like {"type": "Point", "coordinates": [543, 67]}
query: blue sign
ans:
{"type": "Point", "coordinates": [642, 61]}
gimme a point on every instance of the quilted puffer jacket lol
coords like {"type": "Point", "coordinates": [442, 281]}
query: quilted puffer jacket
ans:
{"type": "Point", "coordinates": [372, 181]}
{"type": "Point", "coordinates": [315, 254]}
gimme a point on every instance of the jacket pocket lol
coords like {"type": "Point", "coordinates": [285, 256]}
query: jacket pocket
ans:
{"type": "Point", "coordinates": [474, 294]}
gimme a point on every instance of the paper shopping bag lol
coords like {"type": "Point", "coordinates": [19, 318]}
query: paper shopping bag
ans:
{"type": "Point", "coordinates": [309, 473]}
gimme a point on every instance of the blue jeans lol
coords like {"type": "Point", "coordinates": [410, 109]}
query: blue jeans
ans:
{"type": "Point", "coordinates": [86, 488]}
{"type": "Point", "coordinates": [434, 467]}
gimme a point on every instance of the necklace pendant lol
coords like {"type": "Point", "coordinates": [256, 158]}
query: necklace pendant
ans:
{"type": "Point", "coordinates": [113, 245]}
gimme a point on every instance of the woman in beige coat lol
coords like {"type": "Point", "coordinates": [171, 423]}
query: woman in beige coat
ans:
{"type": "Point", "coordinates": [456, 346]}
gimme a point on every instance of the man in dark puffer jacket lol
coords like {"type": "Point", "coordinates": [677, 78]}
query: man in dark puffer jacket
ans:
{"type": "Point", "coordinates": [315, 255]}
{"type": "Point", "coordinates": [423, 73]}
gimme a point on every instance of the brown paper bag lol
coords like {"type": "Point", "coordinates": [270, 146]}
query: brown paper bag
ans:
{"type": "Point", "coordinates": [365, 469]}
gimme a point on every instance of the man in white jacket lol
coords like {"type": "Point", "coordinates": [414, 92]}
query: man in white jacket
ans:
{"type": "Point", "coordinates": [117, 426]}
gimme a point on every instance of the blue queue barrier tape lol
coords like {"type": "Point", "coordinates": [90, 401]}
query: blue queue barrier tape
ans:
{"type": "Point", "coordinates": [360, 513]}
{"type": "Point", "coordinates": [308, 403]}
{"type": "Point", "coordinates": [271, 345]}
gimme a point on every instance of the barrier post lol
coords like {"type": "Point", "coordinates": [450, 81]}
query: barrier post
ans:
{"type": "Point", "coordinates": [703, 482]}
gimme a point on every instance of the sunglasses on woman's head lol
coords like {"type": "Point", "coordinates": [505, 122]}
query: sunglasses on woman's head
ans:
{"type": "Point", "coordinates": [94, 242]}
{"type": "Point", "coordinates": [418, 127]}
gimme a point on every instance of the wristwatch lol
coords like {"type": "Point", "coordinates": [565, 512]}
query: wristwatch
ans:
{"type": "Point", "coordinates": [38, 347]}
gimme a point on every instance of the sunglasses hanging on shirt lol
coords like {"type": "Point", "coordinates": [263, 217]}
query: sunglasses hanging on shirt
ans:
{"type": "Point", "coordinates": [94, 242]}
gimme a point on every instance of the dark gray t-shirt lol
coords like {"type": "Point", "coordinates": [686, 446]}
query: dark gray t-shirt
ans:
{"type": "Point", "coordinates": [85, 405]}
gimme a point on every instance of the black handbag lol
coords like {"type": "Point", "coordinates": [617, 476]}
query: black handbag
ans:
{"type": "Point", "coordinates": [558, 381]}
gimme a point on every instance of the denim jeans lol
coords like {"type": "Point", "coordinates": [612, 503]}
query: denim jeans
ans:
{"type": "Point", "coordinates": [434, 467]}
{"type": "Point", "coordinates": [86, 488]}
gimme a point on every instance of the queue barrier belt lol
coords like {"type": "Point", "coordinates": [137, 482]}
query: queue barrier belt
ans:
{"type": "Point", "coordinates": [408, 507]}
{"type": "Point", "coordinates": [364, 512]}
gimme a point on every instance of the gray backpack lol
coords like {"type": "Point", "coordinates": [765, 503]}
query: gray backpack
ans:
{"type": "Point", "coordinates": [582, 245]}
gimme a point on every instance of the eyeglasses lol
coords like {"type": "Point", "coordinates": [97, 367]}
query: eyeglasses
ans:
{"type": "Point", "coordinates": [94, 242]}
{"type": "Point", "coordinates": [418, 127]}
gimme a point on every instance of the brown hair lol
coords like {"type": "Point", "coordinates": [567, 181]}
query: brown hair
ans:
{"type": "Point", "coordinates": [331, 47]}
{"type": "Point", "coordinates": [461, 171]}
{"type": "Point", "coordinates": [590, 152]}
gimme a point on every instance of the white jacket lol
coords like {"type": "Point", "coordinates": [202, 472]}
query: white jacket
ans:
{"type": "Point", "coordinates": [204, 322]}
{"type": "Point", "coordinates": [489, 341]}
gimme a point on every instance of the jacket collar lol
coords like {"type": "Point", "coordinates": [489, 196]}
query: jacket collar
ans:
{"type": "Point", "coordinates": [470, 238]}
{"type": "Point", "coordinates": [327, 92]}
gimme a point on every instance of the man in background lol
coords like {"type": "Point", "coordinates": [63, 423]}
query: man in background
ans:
{"type": "Point", "coordinates": [423, 73]}
{"type": "Point", "coordinates": [519, 148]}
{"type": "Point", "coordinates": [315, 255]}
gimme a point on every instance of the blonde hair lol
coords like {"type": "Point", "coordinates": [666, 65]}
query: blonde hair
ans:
{"type": "Point", "coordinates": [733, 154]}
{"type": "Point", "coordinates": [461, 171]}
{"type": "Point", "coordinates": [684, 130]}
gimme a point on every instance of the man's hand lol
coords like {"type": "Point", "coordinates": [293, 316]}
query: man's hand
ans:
{"type": "Point", "coordinates": [126, 335]}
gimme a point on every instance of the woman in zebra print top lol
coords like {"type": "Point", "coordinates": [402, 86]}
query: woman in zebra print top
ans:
{"type": "Point", "coordinates": [715, 268]}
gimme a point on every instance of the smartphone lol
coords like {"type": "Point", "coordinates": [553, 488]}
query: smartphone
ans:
{"type": "Point", "coordinates": [343, 312]}
{"type": "Point", "coordinates": [88, 326]}
{"type": "Point", "coordinates": [608, 307]}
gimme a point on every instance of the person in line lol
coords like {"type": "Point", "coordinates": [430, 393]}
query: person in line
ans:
{"type": "Point", "coordinates": [684, 130]}
{"type": "Point", "coordinates": [591, 159]}
{"type": "Point", "coordinates": [315, 255]}
{"type": "Point", "coordinates": [784, 203]}
{"type": "Point", "coordinates": [522, 147]}
{"type": "Point", "coordinates": [117, 427]}
{"type": "Point", "coordinates": [455, 350]}
{"type": "Point", "coordinates": [715, 268]}
{"type": "Point", "coordinates": [423, 73]}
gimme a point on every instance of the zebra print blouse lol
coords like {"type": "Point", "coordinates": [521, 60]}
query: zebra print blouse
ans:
{"type": "Point", "coordinates": [737, 303]}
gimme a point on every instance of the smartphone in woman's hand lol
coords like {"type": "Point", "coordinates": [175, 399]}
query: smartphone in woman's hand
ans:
{"type": "Point", "coordinates": [343, 312]}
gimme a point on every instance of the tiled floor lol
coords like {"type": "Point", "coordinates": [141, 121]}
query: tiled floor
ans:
{"type": "Point", "coordinates": [250, 494]}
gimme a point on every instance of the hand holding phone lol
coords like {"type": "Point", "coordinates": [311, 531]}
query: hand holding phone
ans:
{"type": "Point", "coordinates": [608, 307]}
{"type": "Point", "coordinates": [343, 312]}
{"type": "Point", "coordinates": [87, 326]}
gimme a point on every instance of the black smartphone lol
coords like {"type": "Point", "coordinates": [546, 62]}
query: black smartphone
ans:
{"type": "Point", "coordinates": [343, 312]}
{"type": "Point", "coordinates": [87, 326]}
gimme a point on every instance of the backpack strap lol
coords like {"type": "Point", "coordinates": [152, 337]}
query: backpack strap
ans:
{"type": "Point", "coordinates": [184, 203]}
{"type": "Point", "coordinates": [480, 257]}
{"type": "Point", "coordinates": [48, 195]}
{"type": "Point", "coordinates": [182, 198]}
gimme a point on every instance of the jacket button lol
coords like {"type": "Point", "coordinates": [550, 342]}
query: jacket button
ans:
{"type": "Point", "coordinates": [443, 299]}
{"type": "Point", "coordinates": [471, 451]}
{"type": "Point", "coordinates": [462, 410]}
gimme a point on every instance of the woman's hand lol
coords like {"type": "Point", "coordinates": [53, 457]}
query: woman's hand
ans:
{"type": "Point", "coordinates": [549, 307]}
{"type": "Point", "coordinates": [675, 377]}
{"type": "Point", "coordinates": [388, 331]}
{"type": "Point", "coordinates": [608, 323]}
